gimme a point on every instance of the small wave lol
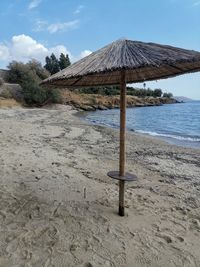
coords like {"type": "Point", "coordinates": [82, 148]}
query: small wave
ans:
{"type": "Point", "coordinates": [178, 137]}
{"type": "Point", "coordinates": [173, 136]}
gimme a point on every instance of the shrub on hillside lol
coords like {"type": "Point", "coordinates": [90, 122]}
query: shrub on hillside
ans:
{"type": "Point", "coordinates": [28, 76]}
{"type": "Point", "coordinates": [22, 73]}
{"type": "Point", "coordinates": [35, 95]}
{"type": "Point", "coordinates": [168, 95]}
{"type": "Point", "coordinates": [157, 93]}
{"type": "Point", "coordinates": [1, 81]}
{"type": "Point", "coordinates": [107, 90]}
{"type": "Point", "coordinates": [54, 96]}
{"type": "Point", "coordinates": [36, 67]}
{"type": "Point", "coordinates": [5, 93]}
{"type": "Point", "coordinates": [115, 90]}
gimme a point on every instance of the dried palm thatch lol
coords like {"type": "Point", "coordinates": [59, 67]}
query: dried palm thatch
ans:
{"type": "Point", "coordinates": [142, 62]}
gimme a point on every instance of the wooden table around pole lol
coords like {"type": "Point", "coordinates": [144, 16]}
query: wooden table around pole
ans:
{"type": "Point", "coordinates": [121, 175]}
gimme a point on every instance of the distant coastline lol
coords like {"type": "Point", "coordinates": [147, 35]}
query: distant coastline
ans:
{"type": "Point", "coordinates": [183, 99]}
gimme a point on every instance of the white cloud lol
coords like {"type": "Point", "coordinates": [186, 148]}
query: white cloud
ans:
{"type": "Point", "coordinates": [85, 53]}
{"type": "Point", "coordinates": [57, 50]}
{"type": "Point", "coordinates": [34, 4]}
{"type": "Point", "coordinates": [78, 9]}
{"type": "Point", "coordinates": [24, 48]}
{"type": "Point", "coordinates": [65, 26]}
{"type": "Point", "coordinates": [4, 52]}
{"type": "Point", "coordinates": [42, 25]}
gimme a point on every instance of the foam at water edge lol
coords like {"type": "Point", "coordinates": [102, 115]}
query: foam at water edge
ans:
{"type": "Point", "coordinates": [178, 137]}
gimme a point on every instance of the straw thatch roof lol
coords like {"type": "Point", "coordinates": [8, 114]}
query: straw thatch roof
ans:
{"type": "Point", "coordinates": [142, 62]}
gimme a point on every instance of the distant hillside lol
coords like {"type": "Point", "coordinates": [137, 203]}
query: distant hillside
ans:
{"type": "Point", "coordinates": [182, 99]}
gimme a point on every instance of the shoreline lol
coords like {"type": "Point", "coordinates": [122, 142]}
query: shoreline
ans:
{"type": "Point", "coordinates": [169, 140]}
{"type": "Point", "coordinates": [50, 157]}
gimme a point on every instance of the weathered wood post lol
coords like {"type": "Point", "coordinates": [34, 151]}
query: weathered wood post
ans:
{"type": "Point", "coordinates": [122, 157]}
{"type": "Point", "coordinates": [121, 175]}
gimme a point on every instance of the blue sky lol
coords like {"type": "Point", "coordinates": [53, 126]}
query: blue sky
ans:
{"type": "Point", "coordinates": [36, 28]}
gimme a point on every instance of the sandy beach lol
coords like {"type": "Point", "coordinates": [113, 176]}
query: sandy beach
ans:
{"type": "Point", "coordinates": [59, 209]}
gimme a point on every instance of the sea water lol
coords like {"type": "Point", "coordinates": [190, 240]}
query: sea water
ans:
{"type": "Point", "coordinates": [176, 123]}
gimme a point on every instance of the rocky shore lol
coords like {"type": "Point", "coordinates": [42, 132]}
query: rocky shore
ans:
{"type": "Point", "coordinates": [92, 102]}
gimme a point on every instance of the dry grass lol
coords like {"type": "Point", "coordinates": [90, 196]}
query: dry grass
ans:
{"type": "Point", "coordinates": [8, 103]}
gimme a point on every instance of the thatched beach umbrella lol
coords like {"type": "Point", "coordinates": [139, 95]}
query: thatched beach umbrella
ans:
{"type": "Point", "coordinates": [122, 62]}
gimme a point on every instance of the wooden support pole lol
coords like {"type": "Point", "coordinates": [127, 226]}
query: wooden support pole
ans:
{"type": "Point", "coordinates": [122, 157]}
{"type": "Point", "coordinates": [121, 175]}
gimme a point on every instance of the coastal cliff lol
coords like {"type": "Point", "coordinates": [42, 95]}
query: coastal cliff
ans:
{"type": "Point", "coordinates": [91, 102]}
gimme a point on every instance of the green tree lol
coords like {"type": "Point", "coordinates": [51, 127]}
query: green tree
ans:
{"type": "Point", "coordinates": [48, 65]}
{"type": "Point", "coordinates": [169, 95]}
{"type": "Point", "coordinates": [115, 90]}
{"type": "Point", "coordinates": [52, 64]}
{"type": "Point", "coordinates": [149, 92]}
{"type": "Point", "coordinates": [55, 64]}
{"type": "Point", "coordinates": [64, 61]}
{"type": "Point", "coordinates": [157, 93]}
